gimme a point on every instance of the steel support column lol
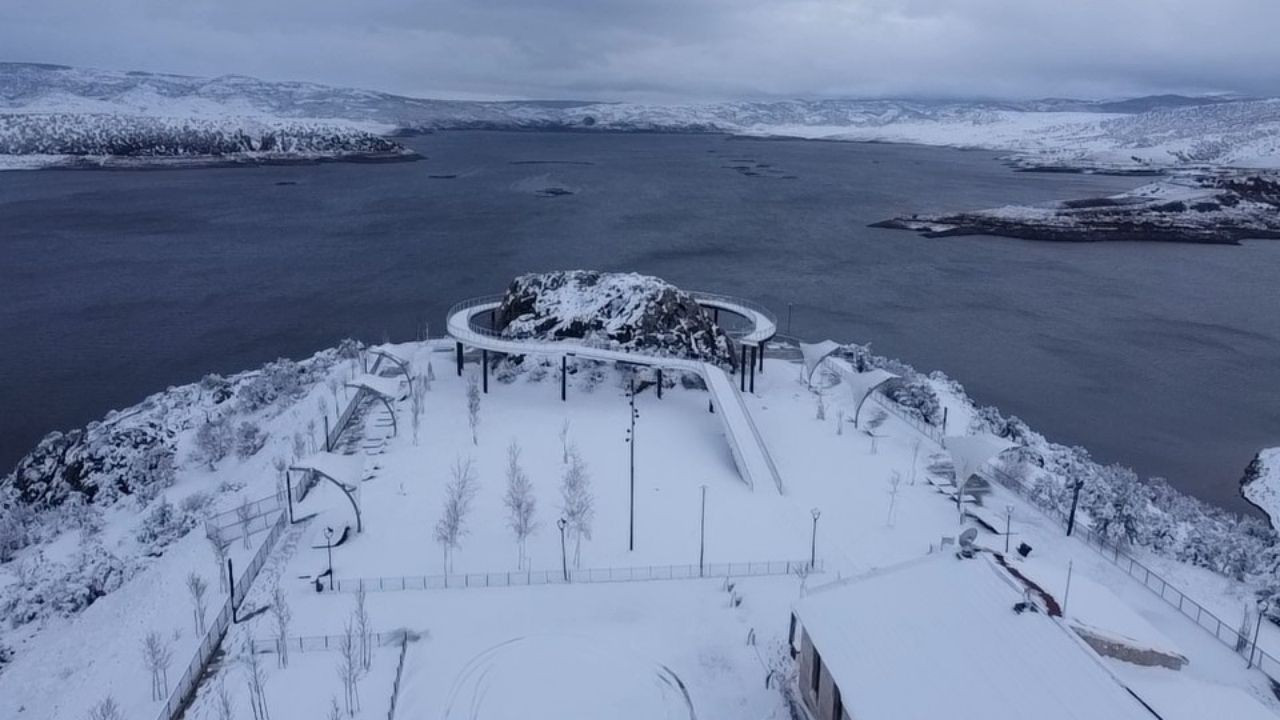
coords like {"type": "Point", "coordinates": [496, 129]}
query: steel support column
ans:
{"type": "Point", "coordinates": [484, 368]}
{"type": "Point", "coordinates": [459, 359]}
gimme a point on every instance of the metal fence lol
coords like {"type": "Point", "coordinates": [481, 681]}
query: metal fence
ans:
{"type": "Point", "coordinates": [559, 577]}
{"type": "Point", "coordinates": [1174, 597]}
{"type": "Point", "coordinates": [268, 513]}
{"type": "Point", "coordinates": [321, 643]}
{"type": "Point", "coordinates": [184, 690]}
{"type": "Point", "coordinates": [932, 432]}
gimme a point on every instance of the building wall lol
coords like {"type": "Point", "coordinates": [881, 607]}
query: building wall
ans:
{"type": "Point", "coordinates": [821, 705]}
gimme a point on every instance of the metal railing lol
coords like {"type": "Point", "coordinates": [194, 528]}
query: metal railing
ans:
{"type": "Point", "coordinates": [931, 432]}
{"type": "Point", "coordinates": [558, 577]}
{"type": "Point", "coordinates": [184, 690]}
{"type": "Point", "coordinates": [726, 302]}
{"type": "Point", "coordinates": [723, 301]}
{"type": "Point", "coordinates": [1171, 594]}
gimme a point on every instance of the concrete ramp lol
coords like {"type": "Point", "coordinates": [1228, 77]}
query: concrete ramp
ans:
{"type": "Point", "coordinates": [749, 451]}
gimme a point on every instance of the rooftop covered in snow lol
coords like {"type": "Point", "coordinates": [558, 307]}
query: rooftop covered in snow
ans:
{"type": "Point", "coordinates": [939, 638]}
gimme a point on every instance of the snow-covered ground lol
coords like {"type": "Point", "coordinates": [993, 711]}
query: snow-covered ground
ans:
{"type": "Point", "coordinates": [578, 650]}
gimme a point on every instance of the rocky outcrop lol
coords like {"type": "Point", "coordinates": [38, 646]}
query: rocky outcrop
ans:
{"type": "Point", "coordinates": [1212, 208]}
{"type": "Point", "coordinates": [624, 311]}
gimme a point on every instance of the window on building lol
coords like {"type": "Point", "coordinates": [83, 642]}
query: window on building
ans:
{"type": "Point", "coordinates": [817, 670]}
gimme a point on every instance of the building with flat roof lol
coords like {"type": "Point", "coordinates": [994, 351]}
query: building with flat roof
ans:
{"type": "Point", "coordinates": [940, 639]}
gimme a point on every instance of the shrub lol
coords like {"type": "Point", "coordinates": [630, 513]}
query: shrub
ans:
{"type": "Point", "coordinates": [249, 439]}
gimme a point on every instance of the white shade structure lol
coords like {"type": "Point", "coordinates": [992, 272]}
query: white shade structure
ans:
{"type": "Point", "coordinates": [814, 354]}
{"type": "Point", "coordinates": [345, 471]}
{"type": "Point", "coordinates": [863, 384]}
{"type": "Point", "coordinates": [385, 389]}
{"type": "Point", "coordinates": [969, 454]}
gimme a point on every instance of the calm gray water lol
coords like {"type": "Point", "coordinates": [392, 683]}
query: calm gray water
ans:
{"type": "Point", "coordinates": [116, 284]}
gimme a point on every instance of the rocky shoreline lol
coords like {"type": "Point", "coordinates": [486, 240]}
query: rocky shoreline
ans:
{"type": "Point", "coordinates": [1207, 208]}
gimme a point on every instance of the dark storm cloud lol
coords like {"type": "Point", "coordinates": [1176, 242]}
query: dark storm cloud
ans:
{"type": "Point", "coordinates": [675, 49]}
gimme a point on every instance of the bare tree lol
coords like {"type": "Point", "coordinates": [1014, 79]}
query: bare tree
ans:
{"type": "Point", "coordinates": [822, 406]}
{"type": "Point", "coordinates": [521, 503]}
{"type": "Point", "coordinates": [473, 407]}
{"type": "Point", "coordinates": [197, 587]}
{"type": "Point", "coordinates": [156, 655]}
{"type": "Point", "coordinates": [349, 667]}
{"type": "Point", "coordinates": [283, 615]}
{"type": "Point", "coordinates": [840, 422]}
{"type": "Point", "coordinates": [256, 678]}
{"type": "Point", "coordinates": [364, 629]}
{"type": "Point", "coordinates": [417, 403]}
{"type": "Point", "coordinates": [458, 495]}
{"type": "Point", "coordinates": [431, 374]}
{"type": "Point", "coordinates": [107, 709]}
{"type": "Point", "coordinates": [578, 505]}
{"type": "Point", "coordinates": [895, 479]}
{"type": "Point", "coordinates": [323, 406]}
{"type": "Point", "coordinates": [564, 442]}
{"type": "Point", "coordinates": [244, 513]}
{"type": "Point", "coordinates": [219, 545]}
{"type": "Point", "coordinates": [222, 702]}
{"type": "Point", "coordinates": [299, 445]}
{"type": "Point", "coordinates": [333, 384]}
{"type": "Point", "coordinates": [335, 712]}
{"type": "Point", "coordinates": [915, 456]}
{"type": "Point", "coordinates": [282, 477]}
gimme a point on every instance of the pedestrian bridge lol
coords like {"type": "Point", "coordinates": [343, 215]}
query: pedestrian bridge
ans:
{"type": "Point", "coordinates": [752, 458]}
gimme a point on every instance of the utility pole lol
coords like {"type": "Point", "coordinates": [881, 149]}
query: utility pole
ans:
{"type": "Point", "coordinates": [813, 541]}
{"type": "Point", "coordinates": [1008, 524]}
{"type": "Point", "coordinates": [702, 532]}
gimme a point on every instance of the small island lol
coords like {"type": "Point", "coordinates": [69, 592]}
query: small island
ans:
{"type": "Point", "coordinates": [1223, 207]}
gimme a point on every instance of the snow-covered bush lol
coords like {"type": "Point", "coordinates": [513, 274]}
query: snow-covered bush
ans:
{"type": "Point", "coordinates": [164, 524]}
{"type": "Point", "coordinates": [50, 588]}
{"type": "Point", "coordinates": [917, 396]}
{"type": "Point", "coordinates": [215, 388]}
{"type": "Point", "coordinates": [280, 381]}
{"type": "Point", "coordinates": [249, 439]}
{"type": "Point", "coordinates": [214, 440]}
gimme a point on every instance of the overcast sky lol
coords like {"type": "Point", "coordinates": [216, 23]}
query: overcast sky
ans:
{"type": "Point", "coordinates": [675, 49]}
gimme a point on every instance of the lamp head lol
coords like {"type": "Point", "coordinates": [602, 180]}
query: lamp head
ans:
{"type": "Point", "coordinates": [816, 513]}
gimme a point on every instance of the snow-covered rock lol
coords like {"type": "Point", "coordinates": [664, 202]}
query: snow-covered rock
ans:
{"type": "Point", "coordinates": [1261, 483]}
{"type": "Point", "coordinates": [1223, 207]}
{"type": "Point", "coordinates": [615, 310]}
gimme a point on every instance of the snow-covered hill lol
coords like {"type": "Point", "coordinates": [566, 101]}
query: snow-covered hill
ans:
{"type": "Point", "coordinates": [1156, 131]}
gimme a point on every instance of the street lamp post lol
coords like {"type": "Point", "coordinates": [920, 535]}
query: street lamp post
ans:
{"type": "Point", "coordinates": [564, 562]}
{"type": "Point", "coordinates": [631, 440]}
{"type": "Point", "coordinates": [1008, 526]}
{"type": "Point", "coordinates": [328, 546]}
{"type": "Point", "coordinates": [1263, 607]}
{"type": "Point", "coordinates": [702, 532]}
{"type": "Point", "coordinates": [813, 540]}
{"type": "Point", "coordinates": [1075, 498]}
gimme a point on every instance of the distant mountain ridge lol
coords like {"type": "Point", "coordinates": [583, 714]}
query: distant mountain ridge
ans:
{"type": "Point", "coordinates": [1158, 130]}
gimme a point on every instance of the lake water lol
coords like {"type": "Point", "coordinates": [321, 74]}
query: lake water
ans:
{"type": "Point", "coordinates": [114, 285]}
